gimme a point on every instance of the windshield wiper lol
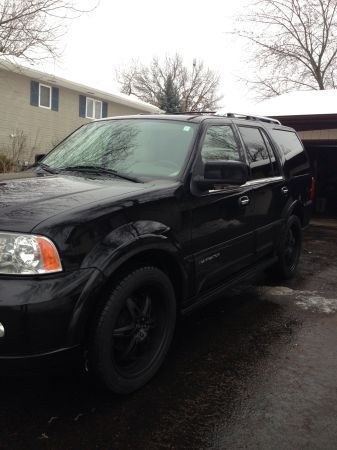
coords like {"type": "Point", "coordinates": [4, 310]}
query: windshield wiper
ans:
{"type": "Point", "coordinates": [45, 167]}
{"type": "Point", "coordinates": [100, 170]}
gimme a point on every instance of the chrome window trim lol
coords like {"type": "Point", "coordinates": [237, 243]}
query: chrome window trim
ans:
{"type": "Point", "coordinates": [262, 180]}
{"type": "Point", "coordinates": [250, 183]}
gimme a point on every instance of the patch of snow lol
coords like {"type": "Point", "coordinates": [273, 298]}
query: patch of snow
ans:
{"type": "Point", "coordinates": [296, 103]}
{"type": "Point", "coordinates": [307, 300]}
{"type": "Point", "coordinates": [275, 290]}
{"type": "Point", "coordinates": [317, 303]}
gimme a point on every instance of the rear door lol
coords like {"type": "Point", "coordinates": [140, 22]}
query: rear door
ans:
{"type": "Point", "coordinates": [270, 192]}
{"type": "Point", "coordinates": [222, 218]}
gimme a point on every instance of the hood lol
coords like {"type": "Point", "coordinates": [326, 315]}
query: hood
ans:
{"type": "Point", "coordinates": [28, 198]}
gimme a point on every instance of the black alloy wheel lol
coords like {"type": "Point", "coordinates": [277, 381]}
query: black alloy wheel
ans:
{"type": "Point", "coordinates": [292, 247]}
{"type": "Point", "coordinates": [289, 250]}
{"type": "Point", "coordinates": [134, 331]}
{"type": "Point", "coordinates": [139, 331]}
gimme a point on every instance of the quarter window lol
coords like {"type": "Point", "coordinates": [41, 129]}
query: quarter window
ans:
{"type": "Point", "coordinates": [258, 156]}
{"type": "Point", "coordinates": [296, 160]}
{"type": "Point", "coordinates": [288, 142]}
{"type": "Point", "coordinates": [93, 108]}
{"type": "Point", "coordinates": [220, 144]}
{"type": "Point", "coordinates": [44, 96]}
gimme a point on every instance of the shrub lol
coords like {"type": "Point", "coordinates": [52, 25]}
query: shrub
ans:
{"type": "Point", "coordinates": [6, 164]}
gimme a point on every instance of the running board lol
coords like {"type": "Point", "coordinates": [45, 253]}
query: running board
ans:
{"type": "Point", "coordinates": [206, 298]}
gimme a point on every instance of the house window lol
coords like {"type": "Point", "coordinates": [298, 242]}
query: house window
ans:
{"type": "Point", "coordinates": [44, 96]}
{"type": "Point", "coordinates": [93, 109]}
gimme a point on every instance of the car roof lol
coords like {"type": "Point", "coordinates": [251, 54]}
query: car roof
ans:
{"type": "Point", "coordinates": [176, 117]}
{"type": "Point", "coordinates": [202, 117]}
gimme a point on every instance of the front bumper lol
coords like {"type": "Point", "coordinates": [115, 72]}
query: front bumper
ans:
{"type": "Point", "coordinates": [36, 313]}
{"type": "Point", "coordinates": [64, 358]}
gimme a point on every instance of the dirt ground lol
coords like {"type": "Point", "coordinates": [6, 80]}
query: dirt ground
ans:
{"type": "Point", "coordinates": [256, 369]}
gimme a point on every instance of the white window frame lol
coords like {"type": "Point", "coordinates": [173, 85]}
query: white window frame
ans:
{"type": "Point", "coordinates": [93, 109]}
{"type": "Point", "coordinates": [50, 96]}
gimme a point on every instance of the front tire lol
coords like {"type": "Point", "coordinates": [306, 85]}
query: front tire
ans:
{"type": "Point", "coordinates": [134, 330]}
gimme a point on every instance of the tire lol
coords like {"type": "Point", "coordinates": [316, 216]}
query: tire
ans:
{"type": "Point", "coordinates": [133, 332]}
{"type": "Point", "coordinates": [289, 250]}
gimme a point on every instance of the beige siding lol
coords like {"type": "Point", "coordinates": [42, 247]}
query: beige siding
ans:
{"type": "Point", "coordinates": [318, 134]}
{"type": "Point", "coordinates": [42, 128]}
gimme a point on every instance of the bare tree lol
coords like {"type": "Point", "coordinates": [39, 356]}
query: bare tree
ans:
{"type": "Point", "coordinates": [294, 44]}
{"type": "Point", "coordinates": [29, 29]}
{"type": "Point", "coordinates": [196, 86]}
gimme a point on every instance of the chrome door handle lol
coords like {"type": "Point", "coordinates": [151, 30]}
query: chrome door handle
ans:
{"type": "Point", "coordinates": [284, 190]}
{"type": "Point", "coordinates": [243, 201]}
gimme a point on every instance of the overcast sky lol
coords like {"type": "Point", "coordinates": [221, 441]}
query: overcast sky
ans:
{"type": "Point", "coordinates": [118, 31]}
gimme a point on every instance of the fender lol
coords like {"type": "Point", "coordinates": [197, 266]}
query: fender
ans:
{"type": "Point", "coordinates": [290, 207]}
{"type": "Point", "coordinates": [286, 213]}
{"type": "Point", "coordinates": [118, 247]}
{"type": "Point", "coordinates": [128, 240]}
{"type": "Point", "coordinates": [82, 308]}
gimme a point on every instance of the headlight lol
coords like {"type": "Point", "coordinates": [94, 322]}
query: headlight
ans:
{"type": "Point", "coordinates": [25, 254]}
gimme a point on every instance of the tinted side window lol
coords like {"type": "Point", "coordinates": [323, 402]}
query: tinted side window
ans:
{"type": "Point", "coordinates": [274, 162]}
{"type": "Point", "coordinates": [220, 144]}
{"type": "Point", "coordinates": [288, 142]}
{"type": "Point", "coordinates": [258, 156]}
{"type": "Point", "coordinates": [296, 159]}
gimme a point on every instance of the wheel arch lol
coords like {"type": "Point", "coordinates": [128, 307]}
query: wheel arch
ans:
{"type": "Point", "coordinates": [161, 255]}
{"type": "Point", "coordinates": [295, 208]}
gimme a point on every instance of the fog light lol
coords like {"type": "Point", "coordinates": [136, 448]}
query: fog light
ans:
{"type": "Point", "coordinates": [2, 330]}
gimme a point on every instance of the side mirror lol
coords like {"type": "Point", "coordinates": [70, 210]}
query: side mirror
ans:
{"type": "Point", "coordinates": [223, 172]}
{"type": "Point", "coordinates": [39, 156]}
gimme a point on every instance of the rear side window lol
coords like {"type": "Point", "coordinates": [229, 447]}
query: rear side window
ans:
{"type": "Point", "coordinates": [288, 142]}
{"type": "Point", "coordinates": [220, 144]}
{"type": "Point", "coordinates": [257, 152]}
{"type": "Point", "coordinates": [296, 160]}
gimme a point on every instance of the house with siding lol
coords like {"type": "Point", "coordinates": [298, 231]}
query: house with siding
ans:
{"type": "Point", "coordinates": [38, 110]}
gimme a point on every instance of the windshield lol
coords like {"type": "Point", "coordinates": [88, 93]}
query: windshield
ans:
{"type": "Point", "coordinates": [148, 148]}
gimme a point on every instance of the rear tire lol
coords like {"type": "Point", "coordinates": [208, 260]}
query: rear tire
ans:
{"type": "Point", "coordinates": [133, 332]}
{"type": "Point", "coordinates": [289, 250]}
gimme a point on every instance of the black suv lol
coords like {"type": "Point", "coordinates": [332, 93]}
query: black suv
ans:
{"type": "Point", "coordinates": [131, 220]}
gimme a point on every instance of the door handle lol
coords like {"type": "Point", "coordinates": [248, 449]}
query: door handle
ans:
{"type": "Point", "coordinates": [243, 201]}
{"type": "Point", "coordinates": [284, 190]}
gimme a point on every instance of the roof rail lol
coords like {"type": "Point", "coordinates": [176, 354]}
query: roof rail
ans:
{"type": "Point", "coordinates": [250, 117]}
{"type": "Point", "coordinates": [188, 113]}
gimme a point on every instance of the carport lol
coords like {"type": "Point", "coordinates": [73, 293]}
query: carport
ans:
{"type": "Point", "coordinates": [323, 154]}
{"type": "Point", "coordinates": [313, 114]}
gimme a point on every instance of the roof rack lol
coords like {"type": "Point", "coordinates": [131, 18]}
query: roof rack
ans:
{"type": "Point", "coordinates": [188, 113]}
{"type": "Point", "coordinates": [250, 117]}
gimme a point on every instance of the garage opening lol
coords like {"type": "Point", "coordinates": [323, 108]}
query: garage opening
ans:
{"type": "Point", "coordinates": [323, 156]}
